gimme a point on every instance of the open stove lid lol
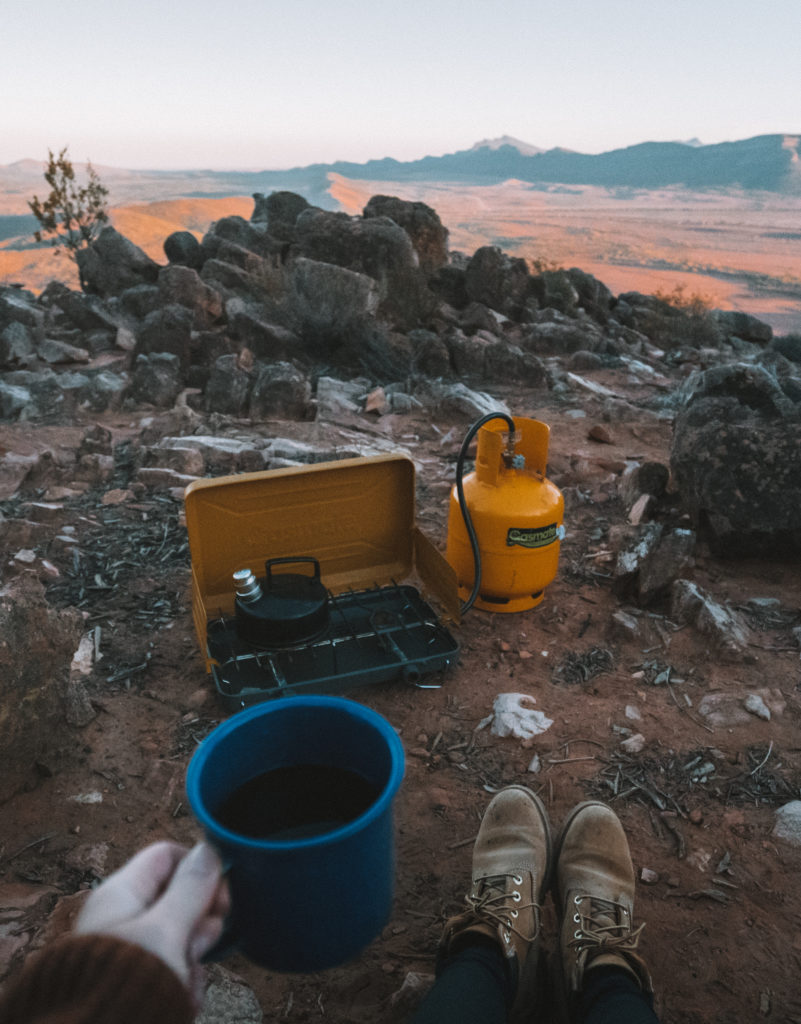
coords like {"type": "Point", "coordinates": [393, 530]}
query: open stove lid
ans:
{"type": "Point", "coordinates": [356, 516]}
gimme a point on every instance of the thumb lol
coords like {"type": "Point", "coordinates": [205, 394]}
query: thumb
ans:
{"type": "Point", "coordinates": [192, 888]}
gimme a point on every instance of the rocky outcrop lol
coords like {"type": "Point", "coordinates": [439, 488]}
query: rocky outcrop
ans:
{"type": "Point", "coordinates": [421, 223]}
{"type": "Point", "coordinates": [112, 263]}
{"type": "Point", "coordinates": [735, 458]}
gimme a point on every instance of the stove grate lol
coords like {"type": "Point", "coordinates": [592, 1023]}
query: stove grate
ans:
{"type": "Point", "coordinates": [381, 634]}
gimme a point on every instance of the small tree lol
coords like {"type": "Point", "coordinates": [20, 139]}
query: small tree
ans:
{"type": "Point", "coordinates": [73, 214]}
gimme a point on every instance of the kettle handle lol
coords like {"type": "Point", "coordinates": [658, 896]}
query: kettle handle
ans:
{"type": "Point", "coordinates": [268, 565]}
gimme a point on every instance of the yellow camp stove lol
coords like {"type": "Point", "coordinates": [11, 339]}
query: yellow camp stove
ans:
{"type": "Point", "coordinates": [306, 580]}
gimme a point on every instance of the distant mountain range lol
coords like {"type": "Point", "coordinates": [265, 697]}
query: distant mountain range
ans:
{"type": "Point", "coordinates": [767, 162]}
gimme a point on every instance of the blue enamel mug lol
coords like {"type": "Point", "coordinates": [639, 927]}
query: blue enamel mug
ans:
{"type": "Point", "coordinates": [305, 895]}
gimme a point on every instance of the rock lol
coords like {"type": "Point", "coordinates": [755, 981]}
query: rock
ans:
{"type": "Point", "coordinates": [330, 307]}
{"type": "Point", "coordinates": [430, 353]}
{"type": "Point", "coordinates": [140, 300]}
{"type": "Point", "coordinates": [743, 326]}
{"type": "Point", "coordinates": [14, 400]}
{"type": "Point", "coordinates": [375, 246]}
{"type": "Point", "coordinates": [787, 823]}
{"type": "Point", "coordinates": [222, 455]}
{"type": "Point", "coordinates": [725, 710]}
{"type": "Point", "coordinates": [188, 461]}
{"type": "Point", "coordinates": [593, 296]}
{"type": "Point", "coordinates": [19, 306]}
{"type": "Point", "coordinates": [280, 391]}
{"type": "Point", "coordinates": [639, 510]}
{"type": "Point", "coordinates": [160, 479]}
{"type": "Point", "coordinates": [409, 996]}
{"type": "Point", "coordinates": [563, 336]}
{"type": "Point", "coordinates": [183, 286]}
{"type": "Point", "coordinates": [625, 625]}
{"type": "Point", "coordinates": [157, 379]}
{"type": "Point", "coordinates": [672, 555]}
{"type": "Point", "coordinates": [789, 347]}
{"type": "Point", "coordinates": [337, 396]}
{"type": "Point", "coordinates": [183, 249]}
{"type": "Point", "coordinates": [168, 329]}
{"type": "Point", "coordinates": [112, 263]}
{"type": "Point", "coordinates": [498, 281]}
{"type": "Point", "coordinates": [583, 360]}
{"type": "Point", "coordinates": [228, 389]}
{"type": "Point", "coordinates": [88, 858]}
{"type": "Point", "coordinates": [648, 876]}
{"type": "Point", "coordinates": [16, 346]}
{"type": "Point", "coordinates": [755, 705]}
{"type": "Point", "coordinates": [556, 289]}
{"type": "Point", "coordinates": [460, 401]}
{"type": "Point", "coordinates": [37, 644]}
{"type": "Point", "coordinates": [735, 461]}
{"type": "Point", "coordinates": [421, 224]}
{"type": "Point", "coordinates": [727, 629]}
{"type": "Point", "coordinates": [643, 478]}
{"type": "Point", "coordinates": [600, 434]}
{"type": "Point", "coordinates": [228, 1000]}
{"type": "Point", "coordinates": [53, 351]}
{"type": "Point", "coordinates": [279, 211]}
{"type": "Point", "coordinates": [635, 545]}
{"type": "Point", "coordinates": [634, 744]}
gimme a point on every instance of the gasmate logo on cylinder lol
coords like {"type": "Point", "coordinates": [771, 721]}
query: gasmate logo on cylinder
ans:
{"type": "Point", "coordinates": [536, 537]}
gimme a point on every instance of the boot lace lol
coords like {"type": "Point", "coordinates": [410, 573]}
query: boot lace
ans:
{"type": "Point", "coordinates": [602, 926]}
{"type": "Point", "coordinates": [492, 901]}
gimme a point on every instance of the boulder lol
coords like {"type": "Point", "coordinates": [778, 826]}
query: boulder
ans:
{"type": "Point", "coordinates": [182, 286]}
{"type": "Point", "coordinates": [279, 211]}
{"type": "Point", "coordinates": [37, 644]}
{"type": "Point", "coordinates": [113, 263]}
{"type": "Point", "coordinates": [265, 340]}
{"type": "Point", "coordinates": [563, 335]}
{"type": "Point", "coordinates": [328, 305]}
{"type": "Point", "coordinates": [593, 296]}
{"type": "Point", "coordinates": [558, 289]}
{"type": "Point", "coordinates": [789, 346]}
{"type": "Point", "coordinates": [431, 354]}
{"type": "Point", "coordinates": [183, 249]}
{"type": "Point", "coordinates": [725, 627]}
{"type": "Point", "coordinates": [19, 306]}
{"type": "Point", "coordinates": [156, 379]}
{"type": "Point", "coordinates": [735, 460]}
{"type": "Point", "coordinates": [376, 247]}
{"type": "Point", "coordinates": [421, 224]}
{"type": "Point", "coordinates": [499, 281]}
{"type": "Point", "coordinates": [228, 389]}
{"type": "Point", "coordinates": [53, 351]}
{"type": "Point", "coordinates": [16, 346]}
{"type": "Point", "coordinates": [280, 391]}
{"type": "Point", "coordinates": [743, 326]}
{"type": "Point", "coordinates": [168, 329]}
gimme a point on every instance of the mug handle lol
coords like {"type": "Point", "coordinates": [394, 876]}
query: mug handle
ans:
{"type": "Point", "coordinates": [228, 941]}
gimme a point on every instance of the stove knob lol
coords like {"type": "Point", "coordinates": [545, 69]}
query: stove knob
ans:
{"type": "Point", "coordinates": [246, 586]}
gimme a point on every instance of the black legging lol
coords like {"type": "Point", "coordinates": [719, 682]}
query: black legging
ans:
{"type": "Point", "coordinates": [474, 986]}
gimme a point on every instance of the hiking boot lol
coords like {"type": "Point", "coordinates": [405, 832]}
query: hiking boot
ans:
{"type": "Point", "coordinates": [511, 869]}
{"type": "Point", "coordinates": [594, 891]}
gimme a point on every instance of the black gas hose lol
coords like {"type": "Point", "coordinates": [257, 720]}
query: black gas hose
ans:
{"type": "Point", "coordinates": [468, 522]}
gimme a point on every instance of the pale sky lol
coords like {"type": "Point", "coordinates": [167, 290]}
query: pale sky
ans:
{"type": "Point", "coordinates": [261, 84]}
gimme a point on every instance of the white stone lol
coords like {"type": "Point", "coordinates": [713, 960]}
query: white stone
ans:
{"type": "Point", "coordinates": [634, 744]}
{"type": "Point", "coordinates": [788, 822]}
{"type": "Point", "coordinates": [754, 704]}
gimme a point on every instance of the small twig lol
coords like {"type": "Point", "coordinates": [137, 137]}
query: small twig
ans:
{"type": "Point", "coordinates": [27, 846]}
{"type": "Point", "coordinates": [685, 711]}
{"type": "Point", "coordinates": [570, 760]}
{"type": "Point", "coordinates": [681, 846]}
{"type": "Point", "coordinates": [764, 761]}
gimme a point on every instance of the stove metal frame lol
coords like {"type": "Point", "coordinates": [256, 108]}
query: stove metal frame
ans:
{"type": "Point", "coordinates": [376, 635]}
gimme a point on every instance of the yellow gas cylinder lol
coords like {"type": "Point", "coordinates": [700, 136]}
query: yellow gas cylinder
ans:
{"type": "Point", "coordinates": [517, 515]}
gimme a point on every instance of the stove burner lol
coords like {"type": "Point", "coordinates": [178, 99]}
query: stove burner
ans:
{"type": "Point", "coordinates": [373, 636]}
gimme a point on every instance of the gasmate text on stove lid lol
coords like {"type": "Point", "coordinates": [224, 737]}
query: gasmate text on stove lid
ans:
{"type": "Point", "coordinates": [356, 516]}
